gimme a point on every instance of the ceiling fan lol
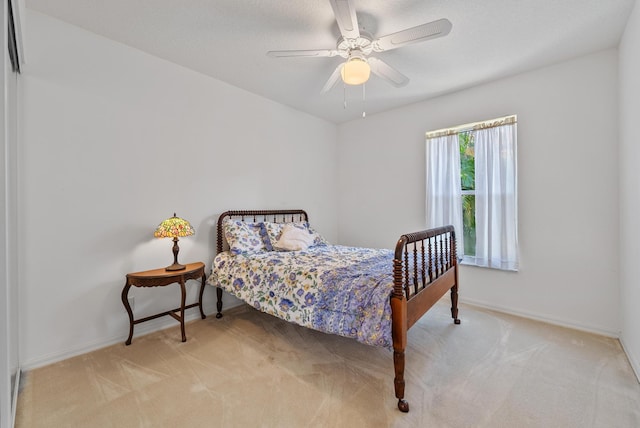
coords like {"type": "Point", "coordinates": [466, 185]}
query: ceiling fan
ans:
{"type": "Point", "coordinates": [356, 46]}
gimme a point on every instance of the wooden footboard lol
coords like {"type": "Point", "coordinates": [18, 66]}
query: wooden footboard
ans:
{"type": "Point", "coordinates": [425, 267]}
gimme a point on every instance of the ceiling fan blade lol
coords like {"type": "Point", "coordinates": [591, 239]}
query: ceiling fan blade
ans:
{"type": "Point", "coordinates": [346, 17]}
{"type": "Point", "coordinates": [303, 53]}
{"type": "Point", "coordinates": [386, 72]}
{"type": "Point", "coordinates": [333, 79]}
{"type": "Point", "coordinates": [420, 33]}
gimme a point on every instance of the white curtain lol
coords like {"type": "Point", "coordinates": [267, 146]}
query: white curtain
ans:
{"type": "Point", "coordinates": [496, 197]}
{"type": "Point", "coordinates": [444, 196]}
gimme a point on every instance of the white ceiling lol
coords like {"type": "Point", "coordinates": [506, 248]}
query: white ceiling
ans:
{"type": "Point", "coordinates": [228, 40]}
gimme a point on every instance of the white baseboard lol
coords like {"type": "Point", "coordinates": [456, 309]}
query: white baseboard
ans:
{"type": "Point", "coordinates": [139, 330]}
{"type": "Point", "coordinates": [164, 323]}
{"type": "Point", "coordinates": [633, 361]}
{"type": "Point", "coordinates": [542, 318]}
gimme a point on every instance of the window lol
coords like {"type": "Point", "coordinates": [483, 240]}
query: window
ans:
{"type": "Point", "coordinates": [472, 184]}
{"type": "Point", "coordinates": [468, 192]}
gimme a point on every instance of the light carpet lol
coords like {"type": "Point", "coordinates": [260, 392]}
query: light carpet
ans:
{"type": "Point", "coordinates": [250, 369]}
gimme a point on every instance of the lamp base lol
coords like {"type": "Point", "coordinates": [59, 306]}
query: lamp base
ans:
{"type": "Point", "coordinates": [175, 266]}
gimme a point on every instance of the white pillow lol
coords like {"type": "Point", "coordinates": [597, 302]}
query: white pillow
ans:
{"type": "Point", "coordinates": [273, 231]}
{"type": "Point", "coordinates": [293, 239]}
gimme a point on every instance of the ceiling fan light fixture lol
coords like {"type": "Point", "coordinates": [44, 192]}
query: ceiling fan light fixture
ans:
{"type": "Point", "coordinates": [355, 71]}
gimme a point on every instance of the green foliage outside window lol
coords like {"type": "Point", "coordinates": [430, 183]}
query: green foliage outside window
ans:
{"type": "Point", "coordinates": [467, 180]}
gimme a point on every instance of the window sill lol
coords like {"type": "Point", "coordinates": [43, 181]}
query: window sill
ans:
{"type": "Point", "coordinates": [471, 261]}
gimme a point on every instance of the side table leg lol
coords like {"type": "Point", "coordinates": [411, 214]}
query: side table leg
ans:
{"type": "Point", "coordinates": [201, 293]}
{"type": "Point", "coordinates": [125, 302]}
{"type": "Point", "coordinates": [183, 292]}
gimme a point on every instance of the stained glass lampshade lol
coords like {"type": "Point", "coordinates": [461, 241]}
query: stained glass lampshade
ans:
{"type": "Point", "coordinates": [174, 227]}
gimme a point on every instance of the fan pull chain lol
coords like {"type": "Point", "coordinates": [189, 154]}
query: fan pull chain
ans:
{"type": "Point", "coordinates": [344, 96]}
{"type": "Point", "coordinates": [364, 98]}
{"type": "Point", "coordinates": [364, 113]}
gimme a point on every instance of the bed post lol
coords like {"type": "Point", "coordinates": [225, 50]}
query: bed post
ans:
{"type": "Point", "coordinates": [399, 331]}
{"type": "Point", "coordinates": [219, 248]}
{"type": "Point", "coordinates": [219, 302]}
{"type": "Point", "coordinates": [454, 289]}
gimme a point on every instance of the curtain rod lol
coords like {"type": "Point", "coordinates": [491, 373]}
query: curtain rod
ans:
{"type": "Point", "coordinates": [474, 126]}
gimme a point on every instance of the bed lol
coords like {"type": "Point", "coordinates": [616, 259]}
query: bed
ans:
{"type": "Point", "coordinates": [277, 263]}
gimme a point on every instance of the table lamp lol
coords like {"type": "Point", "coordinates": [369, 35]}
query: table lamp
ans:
{"type": "Point", "coordinates": [173, 228]}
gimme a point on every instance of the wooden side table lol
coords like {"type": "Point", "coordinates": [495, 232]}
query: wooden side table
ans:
{"type": "Point", "coordinates": [159, 278]}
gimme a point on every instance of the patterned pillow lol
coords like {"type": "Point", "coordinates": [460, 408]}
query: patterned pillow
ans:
{"type": "Point", "coordinates": [244, 237]}
{"type": "Point", "coordinates": [274, 230]}
{"type": "Point", "coordinates": [318, 240]}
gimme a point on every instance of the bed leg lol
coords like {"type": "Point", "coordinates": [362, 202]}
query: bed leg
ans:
{"type": "Point", "coordinates": [398, 381]}
{"type": "Point", "coordinates": [399, 333]}
{"type": "Point", "coordinates": [219, 303]}
{"type": "Point", "coordinates": [454, 304]}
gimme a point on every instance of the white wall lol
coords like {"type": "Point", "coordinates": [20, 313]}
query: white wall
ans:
{"type": "Point", "coordinates": [5, 331]}
{"type": "Point", "coordinates": [9, 347]}
{"type": "Point", "coordinates": [568, 198]}
{"type": "Point", "coordinates": [113, 142]}
{"type": "Point", "coordinates": [629, 185]}
{"type": "Point", "coordinates": [10, 312]}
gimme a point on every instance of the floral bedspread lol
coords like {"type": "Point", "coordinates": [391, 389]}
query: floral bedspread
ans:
{"type": "Point", "coordinates": [334, 289]}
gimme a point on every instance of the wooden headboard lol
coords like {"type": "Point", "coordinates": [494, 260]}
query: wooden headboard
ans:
{"type": "Point", "coordinates": [275, 216]}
